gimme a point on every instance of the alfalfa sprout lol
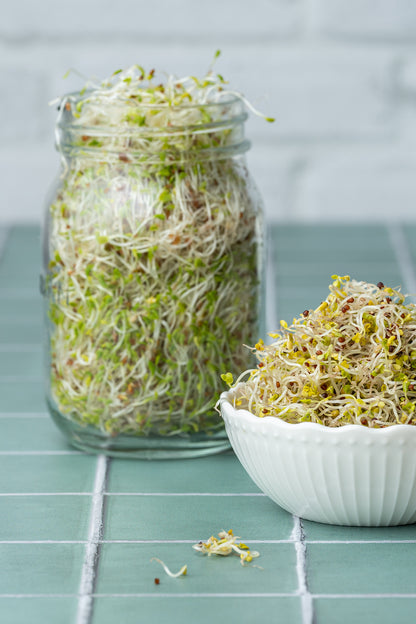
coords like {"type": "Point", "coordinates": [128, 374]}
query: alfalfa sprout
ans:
{"type": "Point", "coordinates": [352, 360]}
{"type": "Point", "coordinates": [153, 268]}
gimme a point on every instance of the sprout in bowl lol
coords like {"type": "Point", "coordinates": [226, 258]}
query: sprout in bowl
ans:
{"type": "Point", "coordinates": [325, 424]}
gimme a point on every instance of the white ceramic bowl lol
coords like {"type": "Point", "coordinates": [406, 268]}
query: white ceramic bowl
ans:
{"type": "Point", "coordinates": [348, 475]}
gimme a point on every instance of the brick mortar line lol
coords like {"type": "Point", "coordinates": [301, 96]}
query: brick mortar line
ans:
{"type": "Point", "coordinates": [297, 39]}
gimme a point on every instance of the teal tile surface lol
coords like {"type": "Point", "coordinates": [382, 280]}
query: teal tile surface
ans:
{"type": "Point", "coordinates": [20, 309]}
{"type": "Point", "coordinates": [44, 517]}
{"type": "Point", "coordinates": [362, 568]}
{"type": "Point", "coordinates": [14, 331]}
{"type": "Point", "coordinates": [300, 241]}
{"type": "Point", "coordinates": [25, 396]}
{"type": "Point", "coordinates": [365, 610]}
{"type": "Point", "coordinates": [194, 517]}
{"type": "Point", "coordinates": [21, 363]}
{"type": "Point", "coordinates": [40, 568]}
{"type": "Point", "coordinates": [18, 277]}
{"type": "Point", "coordinates": [198, 610]}
{"type": "Point", "coordinates": [43, 610]}
{"type": "Point", "coordinates": [410, 235]}
{"type": "Point", "coordinates": [20, 259]}
{"type": "Point", "coordinates": [46, 473]}
{"type": "Point", "coordinates": [218, 473]}
{"type": "Point", "coordinates": [128, 569]}
{"type": "Point", "coordinates": [317, 531]}
{"type": "Point", "coordinates": [345, 565]}
{"type": "Point", "coordinates": [20, 433]}
{"type": "Point", "coordinates": [305, 258]}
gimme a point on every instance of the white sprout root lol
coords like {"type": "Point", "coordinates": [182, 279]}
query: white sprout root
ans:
{"type": "Point", "coordinates": [350, 361]}
{"type": "Point", "coordinates": [182, 572]}
{"type": "Point", "coordinates": [153, 263]}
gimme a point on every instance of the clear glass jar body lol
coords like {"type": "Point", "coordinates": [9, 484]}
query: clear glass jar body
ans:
{"type": "Point", "coordinates": [152, 286]}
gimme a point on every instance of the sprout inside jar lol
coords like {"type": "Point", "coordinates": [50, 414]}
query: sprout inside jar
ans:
{"type": "Point", "coordinates": [153, 263]}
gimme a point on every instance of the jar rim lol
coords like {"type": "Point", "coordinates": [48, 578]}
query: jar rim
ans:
{"type": "Point", "coordinates": [239, 117]}
{"type": "Point", "coordinates": [217, 134]}
{"type": "Point", "coordinates": [231, 98]}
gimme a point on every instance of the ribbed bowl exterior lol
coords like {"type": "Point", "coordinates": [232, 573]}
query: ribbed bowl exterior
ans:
{"type": "Point", "coordinates": [347, 475]}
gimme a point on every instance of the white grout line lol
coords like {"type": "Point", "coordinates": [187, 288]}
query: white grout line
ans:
{"type": "Point", "coordinates": [95, 533]}
{"type": "Point", "coordinates": [38, 595]}
{"type": "Point", "coordinates": [212, 595]}
{"type": "Point", "coordinates": [183, 541]}
{"type": "Point", "coordinates": [226, 494]}
{"type": "Point", "coordinates": [20, 379]}
{"type": "Point", "coordinates": [338, 596]}
{"type": "Point", "coordinates": [20, 293]}
{"type": "Point", "coordinates": [375, 541]}
{"type": "Point", "coordinates": [158, 594]}
{"type": "Point", "coordinates": [28, 542]}
{"type": "Point", "coordinates": [24, 415]}
{"type": "Point", "coordinates": [41, 453]}
{"type": "Point", "coordinates": [188, 541]}
{"type": "Point", "coordinates": [403, 256]}
{"type": "Point", "coordinates": [132, 541]}
{"type": "Point", "coordinates": [20, 321]}
{"type": "Point", "coordinates": [46, 493]}
{"type": "Point", "coordinates": [300, 547]}
{"type": "Point", "coordinates": [118, 493]}
{"type": "Point", "coordinates": [20, 348]}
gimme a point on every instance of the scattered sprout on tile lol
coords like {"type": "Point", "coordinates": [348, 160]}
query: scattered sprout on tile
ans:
{"type": "Point", "coordinates": [153, 255]}
{"type": "Point", "coordinates": [226, 544]}
{"type": "Point", "coordinates": [352, 360]}
{"type": "Point", "coordinates": [182, 572]}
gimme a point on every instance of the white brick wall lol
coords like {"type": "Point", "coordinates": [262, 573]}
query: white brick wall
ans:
{"type": "Point", "coordinates": [338, 75]}
{"type": "Point", "coordinates": [367, 19]}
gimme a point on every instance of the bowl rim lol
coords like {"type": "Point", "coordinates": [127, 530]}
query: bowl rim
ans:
{"type": "Point", "coordinates": [245, 415]}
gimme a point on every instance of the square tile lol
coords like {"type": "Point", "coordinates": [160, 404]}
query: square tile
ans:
{"type": "Point", "coordinates": [44, 517]}
{"type": "Point", "coordinates": [22, 397]}
{"type": "Point", "coordinates": [42, 610]}
{"type": "Point", "coordinates": [128, 569]}
{"type": "Point", "coordinates": [361, 568]}
{"type": "Point", "coordinates": [21, 364]}
{"type": "Point", "coordinates": [47, 473]}
{"type": "Point", "coordinates": [40, 568]}
{"type": "Point", "coordinates": [27, 332]}
{"type": "Point", "coordinates": [198, 609]}
{"type": "Point", "coordinates": [336, 240]}
{"type": "Point", "coordinates": [20, 308]}
{"type": "Point", "coordinates": [19, 277]}
{"type": "Point", "coordinates": [217, 473]}
{"type": "Point", "coordinates": [25, 433]}
{"type": "Point", "coordinates": [21, 253]}
{"type": "Point", "coordinates": [194, 517]}
{"type": "Point", "coordinates": [316, 531]}
{"type": "Point", "coordinates": [365, 610]}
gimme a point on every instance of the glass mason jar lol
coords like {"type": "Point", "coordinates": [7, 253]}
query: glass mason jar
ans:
{"type": "Point", "coordinates": [152, 279]}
